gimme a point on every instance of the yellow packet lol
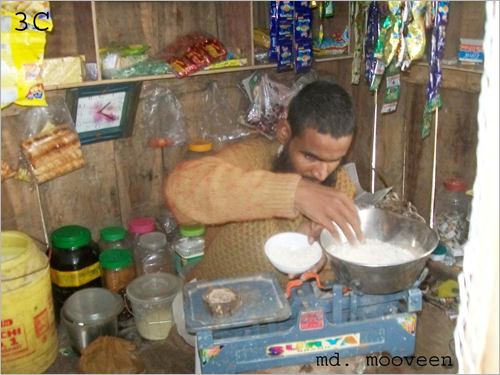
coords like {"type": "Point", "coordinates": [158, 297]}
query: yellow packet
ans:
{"type": "Point", "coordinates": [22, 59]}
{"type": "Point", "coordinates": [35, 13]}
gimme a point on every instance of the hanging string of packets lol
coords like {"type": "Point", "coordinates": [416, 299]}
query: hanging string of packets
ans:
{"type": "Point", "coordinates": [394, 36]}
{"type": "Point", "coordinates": [442, 9]}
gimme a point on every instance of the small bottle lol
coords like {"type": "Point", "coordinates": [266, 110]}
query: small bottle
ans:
{"type": "Point", "coordinates": [117, 271]}
{"type": "Point", "coordinates": [190, 245]}
{"type": "Point", "coordinates": [139, 226]}
{"type": "Point", "coordinates": [451, 211]}
{"type": "Point", "coordinates": [153, 255]}
{"type": "Point", "coordinates": [199, 149]}
{"type": "Point", "coordinates": [113, 238]}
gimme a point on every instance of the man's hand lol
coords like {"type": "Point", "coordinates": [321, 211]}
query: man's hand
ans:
{"type": "Point", "coordinates": [322, 205]}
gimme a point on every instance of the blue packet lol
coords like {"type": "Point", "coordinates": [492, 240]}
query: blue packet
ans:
{"type": "Point", "coordinates": [285, 31]}
{"type": "Point", "coordinates": [285, 10]}
{"type": "Point", "coordinates": [285, 57]}
{"type": "Point", "coordinates": [303, 56]}
{"type": "Point", "coordinates": [273, 31]}
{"type": "Point", "coordinates": [302, 27]}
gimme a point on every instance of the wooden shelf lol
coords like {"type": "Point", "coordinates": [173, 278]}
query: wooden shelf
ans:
{"type": "Point", "coordinates": [458, 67]}
{"type": "Point", "coordinates": [171, 76]}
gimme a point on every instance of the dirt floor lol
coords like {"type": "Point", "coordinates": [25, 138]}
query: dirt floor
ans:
{"type": "Point", "coordinates": [434, 338]}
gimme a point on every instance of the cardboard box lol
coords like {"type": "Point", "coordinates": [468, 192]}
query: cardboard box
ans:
{"type": "Point", "coordinates": [471, 51]}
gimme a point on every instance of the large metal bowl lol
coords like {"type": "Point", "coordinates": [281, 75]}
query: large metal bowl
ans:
{"type": "Point", "coordinates": [386, 227]}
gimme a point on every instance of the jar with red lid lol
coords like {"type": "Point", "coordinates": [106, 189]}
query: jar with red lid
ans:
{"type": "Point", "coordinates": [451, 211]}
{"type": "Point", "coordinates": [139, 226]}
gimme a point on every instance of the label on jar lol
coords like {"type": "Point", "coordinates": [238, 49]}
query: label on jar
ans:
{"type": "Point", "coordinates": [75, 279]}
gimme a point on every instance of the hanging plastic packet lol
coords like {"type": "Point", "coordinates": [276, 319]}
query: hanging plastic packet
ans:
{"type": "Point", "coordinates": [435, 69]}
{"type": "Point", "coordinates": [371, 40]}
{"type": "Point", "coordinates": [401, 51]}
{"type": "Point", "coordinates": [302, 36]}
{"type": "Point", "coordinates": [393, 89]}
{"type": "Point", "coordinates": [22, 60]}
{"type": "Point", "coordinates": [358, 18]}
{"type": "Point", "coordinates": [273, 31]}
{"type": "Point", "coordinates": [285, 35]}
{"type": "Point", "coordinates": [415, 38]}
{"type": "Point", "coordinates": [388, 40]}
{"type": "Point", "coordinates": [329, 9]}
{"type": "Point", "coordinates": [321, 16]}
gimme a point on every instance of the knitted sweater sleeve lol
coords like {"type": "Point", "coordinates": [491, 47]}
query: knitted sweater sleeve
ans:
{"type": "Point", "coordinates": [232, 185]}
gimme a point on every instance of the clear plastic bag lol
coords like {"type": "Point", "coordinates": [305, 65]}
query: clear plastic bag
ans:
{"type": "Point", "coordinates": [221, 116]}
{"type": "Point", "coordinates": [269, 101]}
{"type": "Point", "coordinates": [165, 118]}
{"type": "Point", "coordinates": [50, 145]}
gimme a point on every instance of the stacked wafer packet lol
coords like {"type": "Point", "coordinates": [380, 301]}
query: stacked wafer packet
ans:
{"type": "Point", "coordinates": [51, 146]}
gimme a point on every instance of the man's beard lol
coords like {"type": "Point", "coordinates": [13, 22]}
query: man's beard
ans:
{"type": "Point", "coordinates": [283, 164]}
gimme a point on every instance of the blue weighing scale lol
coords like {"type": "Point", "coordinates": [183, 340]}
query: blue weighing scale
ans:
{"type": "Point", "coordinates": [269, 330]}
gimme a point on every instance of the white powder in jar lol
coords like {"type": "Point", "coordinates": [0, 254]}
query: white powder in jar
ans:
{"type": "Point", "coordinates": [156, 324]}
{"type": "Point", "coordinates": [294, 258]}
{"type": "Point", "coordinates": [372, 252]}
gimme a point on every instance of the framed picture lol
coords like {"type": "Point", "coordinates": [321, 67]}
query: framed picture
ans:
{"type": "Point", "coordinates": [104, 112]}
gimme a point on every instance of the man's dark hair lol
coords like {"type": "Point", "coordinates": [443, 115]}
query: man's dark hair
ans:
{"type": "Point", "coordinates": [324, 107]}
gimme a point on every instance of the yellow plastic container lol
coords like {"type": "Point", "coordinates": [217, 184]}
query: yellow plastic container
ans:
{"type": "Point", "coordinates": [29, 337]}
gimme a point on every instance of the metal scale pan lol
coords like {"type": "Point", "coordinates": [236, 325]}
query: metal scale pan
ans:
{"type": "Point", "coordinates": [263, 301]}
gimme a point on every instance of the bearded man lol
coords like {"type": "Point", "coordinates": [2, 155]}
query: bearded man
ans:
{"type": "Point", "coordinates": [250, 191]}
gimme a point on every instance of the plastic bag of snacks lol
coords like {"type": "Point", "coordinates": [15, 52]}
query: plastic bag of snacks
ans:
{"type": "Point", "coordinates": [332, 46]}
{"type": "Point", "coordinates": [193, 52]}
{"type": "Point", "coordinates": [221, 116]}
{"type": "Point", "coordinates": [144, 68]}
{"type": "Point", "coordinates": [37, 13]}
{"type": "Point", "coordinates": [269, 101]}
{"type": "Point", "coordinates": [116, 58]}
{"type": "Point", "coordinates": [22, 59]}
{"type": "Point", "coordinates": [165, 118]}
{"type": "Point", "coordinates": [50, 146]}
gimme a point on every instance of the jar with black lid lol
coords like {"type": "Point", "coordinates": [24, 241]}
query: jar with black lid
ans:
{"type": "Point", "coordinates": [74, 264]}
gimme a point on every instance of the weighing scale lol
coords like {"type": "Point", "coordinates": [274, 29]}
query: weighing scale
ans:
{"type": "Point", "coordinates": [271, 330]}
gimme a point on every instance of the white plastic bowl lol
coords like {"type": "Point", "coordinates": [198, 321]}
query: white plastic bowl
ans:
{"type": "Point", "coordinates": [294, 242]}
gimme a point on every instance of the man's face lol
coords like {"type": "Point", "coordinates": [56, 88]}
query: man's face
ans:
{"type": "Point", "coordinates": [313, 155]}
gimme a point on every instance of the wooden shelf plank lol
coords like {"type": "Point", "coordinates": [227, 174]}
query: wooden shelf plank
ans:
{"type": "Point", "coordinates": [171, 76]}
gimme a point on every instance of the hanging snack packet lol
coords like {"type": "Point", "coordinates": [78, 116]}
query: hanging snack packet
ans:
{"type": "Point", "coordinates": [50, 145]}
{"type": "Point", "coordinates": [393, 89]}
{"type": "Point", "coordinates": [285, 35]}
{"type": "Point", "coordinates": [371, 41]}
{"type": "Point", "coordinates": [273, 31]}
{"type": "Point", "coordinates": [415, 38]}
{"type": "Point", "coordinates": [22, 60]}
{"type": "Point", "coordinates": [302, 36]}
{"type": "Point", "coordinates": [329, 9]}
{"type": "Point", "coordinates": [359, 11]}
{"type": "Point", "coordinates": [437, 51]}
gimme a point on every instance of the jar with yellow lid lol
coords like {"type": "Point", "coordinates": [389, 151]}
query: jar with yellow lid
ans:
{"type": "Point", "coordinates": [199, 149]}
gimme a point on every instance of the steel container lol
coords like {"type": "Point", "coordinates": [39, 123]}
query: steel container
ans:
{"type": "Point", "coordinates": [392, 228]}
{"type": "Point", "coordinates": [89, 314]}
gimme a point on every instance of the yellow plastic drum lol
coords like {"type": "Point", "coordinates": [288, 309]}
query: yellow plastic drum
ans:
{"type": "Point", "coordinates": [29, 338]}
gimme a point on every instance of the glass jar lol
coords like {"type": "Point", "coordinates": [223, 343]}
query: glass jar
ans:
{"type": "Point", "coordinates": [151, 297]}
{"type": "Point", "coordinates": [137, 227]}
{"type": "Point", "coordinates": [113, 238]}
{"type": "Point", "coordinates": [153, 255]}
{"type": "Point", "coordinates": [117, 271]}
{"type": "Point", "coordinates": [74, 264]}
{"type": "Point", "coordinates": [199, 149]}
{"type": "Point", "coordinates": [451, 211]}
{"type": "Point", "coordinates": [166, 223]}
{"type": "Point", "coordinates": [189, 246]}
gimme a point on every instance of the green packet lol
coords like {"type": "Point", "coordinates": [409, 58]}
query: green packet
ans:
{"type": "Point", "coordinates": [393, 89]}
{"type": "Point", "coordinates": [128, 50]}
{"type": "Point", "coordinates": [429, 113]}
